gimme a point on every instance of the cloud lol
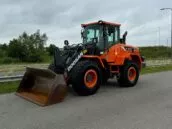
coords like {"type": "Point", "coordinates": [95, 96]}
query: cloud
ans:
{"type": "Point", "coordinates": [61, 19]}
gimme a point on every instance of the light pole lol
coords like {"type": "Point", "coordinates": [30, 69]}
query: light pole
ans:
{"type": "Point", "coordinates": [159, 36]}
{"type": "Point", "coordinates": [171, 21]}
{"type": "Point", "coordinates": [171, 26]}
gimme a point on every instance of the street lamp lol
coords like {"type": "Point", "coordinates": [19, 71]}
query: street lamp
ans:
{"type": "Point", "coordinates": [171, 21]}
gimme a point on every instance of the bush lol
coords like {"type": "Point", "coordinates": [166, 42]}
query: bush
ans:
{"type": "Point", "coordinates": [35, 57]}
{"type": "Point", "coordinates": [28, 48]}
{"type": "Point", "coordinates": [2, 53]}
{"type": "Point", "coordinates": [155, 52]}
{"type": "Point", "coordinates": [51, 49]}
{"type": "Point", "coordinates": [47, 58]}
{"type": "Point", "coordinates": [8, 60]}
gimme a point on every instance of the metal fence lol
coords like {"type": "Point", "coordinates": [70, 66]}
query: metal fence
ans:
{"type": "Point", "coordinates": [158, 62]}
{"type": "Point", "coordinates": [11, 78]}
{"type": "Point", "coordinates": [149, 63]}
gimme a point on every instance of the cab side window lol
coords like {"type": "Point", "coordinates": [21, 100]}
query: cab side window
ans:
{"type": "Point", "coordinates": [110, 35]}
{"type": "Point", "coordinates": [117, 36]}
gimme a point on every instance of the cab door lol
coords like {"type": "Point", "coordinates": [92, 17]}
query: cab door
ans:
{"type": "Point", "coordinates": [112, 38]}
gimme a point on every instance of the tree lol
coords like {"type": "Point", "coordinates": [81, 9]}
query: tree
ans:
{"type": "Point", "coordinates": [4, 46]}
{"type": "Point", "coordinates": [28, 48]}
{"type": "Point", "coordinates": [3, 50]}
{"type": "Point", "coordinates": [17, 50]}
{"type": "Point", "coordinates": [51, 49]}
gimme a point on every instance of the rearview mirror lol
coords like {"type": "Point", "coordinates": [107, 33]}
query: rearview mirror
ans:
{"type": "Point", "coordinates": [66, 42]}
{"type": "Point", "coordinates": [83, 34]}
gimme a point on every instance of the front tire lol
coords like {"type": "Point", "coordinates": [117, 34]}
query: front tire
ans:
{"type": "Point", "coordinates": [129, 75]}
{"type": "Point", "coordinates": [86, 78]}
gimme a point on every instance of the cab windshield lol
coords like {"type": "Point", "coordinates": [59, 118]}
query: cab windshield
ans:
{"type": "Point", "coordinates": [91, 33]}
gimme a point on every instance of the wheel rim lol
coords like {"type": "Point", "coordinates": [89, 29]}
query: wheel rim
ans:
{"type": "Point", "coordinates": [90, 78]}
{"type": "Point", "coordinates": [132, 73]}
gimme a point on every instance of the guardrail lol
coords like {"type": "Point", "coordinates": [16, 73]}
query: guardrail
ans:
{"type": "Point", "coordinates": [158, 62]}
{"type": "Point", "coordinates": [11, 78]}
{"type": "Point", "coordinates": [149, 63]}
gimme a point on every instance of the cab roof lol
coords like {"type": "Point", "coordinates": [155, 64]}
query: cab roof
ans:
{"type": "Point", "coordinates": [101, 22]}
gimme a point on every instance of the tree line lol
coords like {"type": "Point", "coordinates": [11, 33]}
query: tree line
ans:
{"type": "Point", "coordinates": [32, 48]}
{"type": "Point", "coordinates": [27, 48]}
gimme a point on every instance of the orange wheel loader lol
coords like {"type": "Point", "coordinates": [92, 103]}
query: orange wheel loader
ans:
{"type": "Point", "coordinates": [101, 55]}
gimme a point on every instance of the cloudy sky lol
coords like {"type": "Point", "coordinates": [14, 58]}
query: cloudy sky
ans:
{"type": "Point", "coordinates": [61, 19]}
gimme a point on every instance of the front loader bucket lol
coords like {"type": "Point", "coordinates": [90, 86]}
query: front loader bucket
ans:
{"type": "Point", "coordinates": [42, 86]}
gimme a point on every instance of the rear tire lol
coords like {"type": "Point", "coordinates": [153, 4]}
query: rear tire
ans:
{"type": "Point", "coordinates": [80, 72]}
{"type": "Point", "coordinates": [129, 75]}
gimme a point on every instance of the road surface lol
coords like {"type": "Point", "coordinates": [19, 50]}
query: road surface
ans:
{"type": "Point", "coordinates": [146, 106]}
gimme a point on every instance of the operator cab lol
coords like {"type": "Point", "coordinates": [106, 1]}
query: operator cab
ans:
{"type": "Point", "coordinates": [102, 34]}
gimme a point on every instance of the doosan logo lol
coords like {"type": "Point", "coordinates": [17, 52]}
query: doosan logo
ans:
{"type": "Point", "coordinates": [75, 61]}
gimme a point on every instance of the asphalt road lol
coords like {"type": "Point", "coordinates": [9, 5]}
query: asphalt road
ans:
{"type": "Point", "coordinates": [146, 106]}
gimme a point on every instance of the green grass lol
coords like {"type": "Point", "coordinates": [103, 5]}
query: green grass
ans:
{"type": "Point", "coordinates": [155, 52]}
{"type": "Point", "coordinates": [8, 87]}
{"type": "Point", "coordinates": [10, 69]}
{"type": "Point", "coordinates": [156, 69]}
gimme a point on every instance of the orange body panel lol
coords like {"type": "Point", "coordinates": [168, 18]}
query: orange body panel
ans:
{"type": "Point", "coordinates": [94, 57]}
{"type": "Point", "coordinates": [117, 54]}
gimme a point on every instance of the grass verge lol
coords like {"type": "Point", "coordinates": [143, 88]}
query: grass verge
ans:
{"type": "Point", "coordinates": [8, 87]}
{"type": "Point", "coordinates": [156, 69]}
